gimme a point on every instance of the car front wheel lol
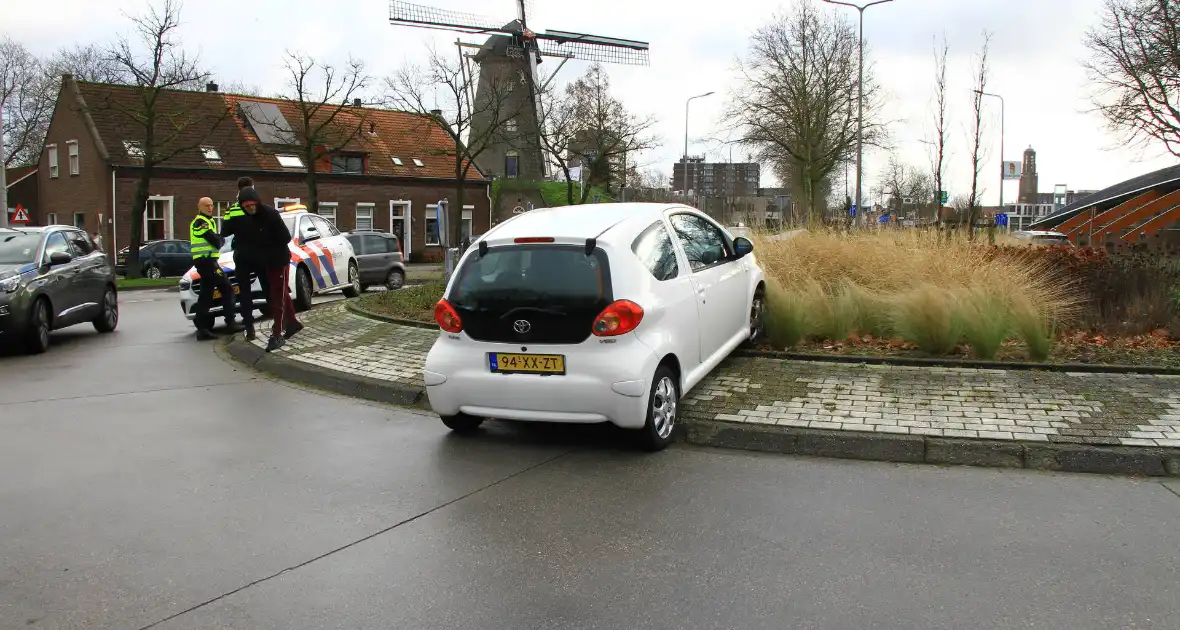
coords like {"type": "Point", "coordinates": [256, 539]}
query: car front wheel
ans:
{"type": "Point", "coordinates": [354, 281]}
{"type": "Point", "coordinates": [662, 406]}
{"type": "Point", "coordinates": [37, 335]}
{"type": "Point", "coordinates": [757, 319]}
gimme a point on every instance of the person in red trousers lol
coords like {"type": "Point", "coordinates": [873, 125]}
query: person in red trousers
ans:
{"type": "Point", "coordinates": [274, 257]}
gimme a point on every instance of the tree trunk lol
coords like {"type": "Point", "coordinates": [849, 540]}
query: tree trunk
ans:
{"type": "Point", "coordinates": [313, 191]}
{"type": "Point", "coordinates": [455, 211]}
{"type": "Point", "coordinates": [138, 209]}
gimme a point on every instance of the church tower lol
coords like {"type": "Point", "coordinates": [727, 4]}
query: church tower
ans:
{"type": "Point", "coordinates": [1028, 178]}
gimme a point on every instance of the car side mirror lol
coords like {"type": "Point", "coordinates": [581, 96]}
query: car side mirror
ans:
{"type": "Point", "coordinates": [59, 258]}
{"type": "Point", "coordinates": [310, 235]}
{"type": "Point", "coordinates": [742, 246]}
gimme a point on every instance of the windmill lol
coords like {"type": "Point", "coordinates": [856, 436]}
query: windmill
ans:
{"type": "Point", "coordinates": [515, 50]}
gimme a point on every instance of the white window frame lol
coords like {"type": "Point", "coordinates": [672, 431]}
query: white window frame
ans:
{"type": "Point", "coordinates": [219, 210]}
{"type": "Point", "coordinates": [287, 156]}
{"type": "Point", "coordinates": [211, 154]}
{"type": "Point", "coordinates": [133, 148]}
{"type": "Point", "coordinates": [281, 201]}
{"type": "Point", "coordinates": [75, 222]}
{"type": "Point", "coordinates": [169, 216]}
{"type": "Point", "coordinates": [53, 165]}
{"type": "Point", "coordinates": [51, 218]}
{"type": "Point", "coordinates": [510, 125]}
{"type": "Point", "coordinates": [401, 209]}
{"type": "Point", "coordinates": [419, 163]}
{"type": "Point", "coordinates": [468, 212]}
{"type": "Point", "coordinates": [431, 215]}
{"type": "Point", "coordinates": [396, 161]}
{"type": "Point", "coordinates": [328, 210]}
{"type": "Point", "coordinates": [73, 157]}
{"type": "Point", "coordinates": [356, 220]}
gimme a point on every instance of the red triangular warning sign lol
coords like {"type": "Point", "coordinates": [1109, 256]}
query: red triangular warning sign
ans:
{"type": "Point", "coordinates": [21, 215]}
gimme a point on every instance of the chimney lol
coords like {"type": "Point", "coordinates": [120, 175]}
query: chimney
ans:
{"type": "Point", "coordinates": [356, 102]}
{"type": "Point", "coordinates": [437, 113]}
{"type": "Point", "coordinates": [210, 87]}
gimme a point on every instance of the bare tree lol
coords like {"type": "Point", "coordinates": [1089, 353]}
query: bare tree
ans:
{"type": "Point", "coordinates": [559, 127]}
{"type": "Point", "coordinates": [1135, 70]}
{"type": "Point", "coordinates": [444, 93]}
{"type": "Point", "coordinates": [327, 114]}
{"type": "Point", "coordinates": [159, 124]}
{"type": "Point", "coordinates": [938, 151]}
{"type": "Point", "coordinates": [796, 104]}
{"type": "Point", "coordinates": [606, 136]}
{"type": "Point", "coordinates": [979, 86]}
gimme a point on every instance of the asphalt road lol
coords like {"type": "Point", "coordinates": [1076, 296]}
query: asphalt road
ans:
{"type": "Point", "coordinates": [146, 482]}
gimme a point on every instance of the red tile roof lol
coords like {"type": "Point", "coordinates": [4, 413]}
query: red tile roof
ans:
{"type": "Point", "coordinates": [385, 134]}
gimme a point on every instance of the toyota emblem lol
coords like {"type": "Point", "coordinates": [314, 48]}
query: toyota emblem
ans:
{"type": "Point", "coordinates": [521, 326]}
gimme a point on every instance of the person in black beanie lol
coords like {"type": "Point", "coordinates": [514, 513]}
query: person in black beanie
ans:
{"type": "Point", "coordinates": [245, 260]}
{"type": "Point", "coordinates": [272, 239]}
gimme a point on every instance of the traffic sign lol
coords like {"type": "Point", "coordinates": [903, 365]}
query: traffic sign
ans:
{"type": "Point", "coordinates": [1002, 219]}
{"type": "Point", "coordinates": [943, 196]}
{"type": "Point", "coordinates": [20, 216]}
{"type": "Point", "coordinates": [852, 211]}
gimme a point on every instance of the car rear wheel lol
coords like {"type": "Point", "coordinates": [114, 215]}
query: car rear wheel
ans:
{"type": "Point", "coordinates": [661, 410]}
{"type": "Point", "coordinates": [395, 280]}
{"type": "Point", "coordinates": [302, 289]}
{"type": "Point", "coordinates": [153, 271]}
{"type": "Point", "coordinates": [462, 423]}
{"type": "Point", "coordinates": [354, 281]}
{"type": "Point", "coordinates": [108, 319]}
{"type": "Point", "coordinates": [37, 335]}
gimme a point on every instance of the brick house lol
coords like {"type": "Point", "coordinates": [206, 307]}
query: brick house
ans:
{"type": "Point", "coordinates": [390, 177]}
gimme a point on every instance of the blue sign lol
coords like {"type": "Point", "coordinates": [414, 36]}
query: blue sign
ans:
{"type": "Point", "coordinates": [883, 218]}
{"type": "Point", "coordinates": [1002, 219]}
{"type": "Point", "coordinates": [852, 211]}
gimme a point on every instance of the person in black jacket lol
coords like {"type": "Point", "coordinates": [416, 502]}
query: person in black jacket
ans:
{"type": "Point", "coordinates": [245, 259]}
{"type": "Point", "coordinates": [273, 238]}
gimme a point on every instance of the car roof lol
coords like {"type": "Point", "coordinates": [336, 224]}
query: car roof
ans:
{"type": "Point", "coordinates": [582, 221]}
{"type": "Point", "coordinates": [32, 229]}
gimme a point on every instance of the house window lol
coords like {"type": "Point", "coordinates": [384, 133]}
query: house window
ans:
{"type": "Point", "coordinates": [348, 164]}
{"type": "Point", "coordinates": [283, 202]}
{"type": "Point", "coordinates": [133, 149]}
{"type": "Point", "coordinates": [289, 161]}
{"type": "Point", "coordinates": [219, 210]}
{"type": "Point", "coordinates": [465, 224]}
{"type": "Point", "coordinates": [213, 156]}
{"type": "Point", "coordinates": [364, 216]}
{"type": "Point", "coordinates": [72, 151]}
{"type": "Point", "coordinates": [418, 163]}
{"type": "Point", "coordinates": [511, 165]}
{"type": "Point", "coordinates": [432, 224]}
{"type": "Point", "coordinates": [51, 218]}
{"type": "Point", "coordinates": [397, 161]}
{"type": "Point", "coordinates": [328, 211]}
{"type": "Point", "coordinates": [155, 220]}
{"type": "Point", "coordinates": [510, 125]}
{"type": "Point", "coordinates": [80, 220]}
{"type": "Point", "coordinates": [52, 149]}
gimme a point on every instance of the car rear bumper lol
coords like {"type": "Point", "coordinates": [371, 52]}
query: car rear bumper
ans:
{"type": "Point", "coordinates": [602, 383]}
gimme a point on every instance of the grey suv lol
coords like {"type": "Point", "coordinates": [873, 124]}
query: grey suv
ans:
{"type": "Point", "coordinates": [50, 278]}
{"type": "Point", "coordinates": [379, 257]}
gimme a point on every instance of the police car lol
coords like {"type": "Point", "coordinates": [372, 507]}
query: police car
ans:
{"type": "Point", "coordinates": [322, 261]}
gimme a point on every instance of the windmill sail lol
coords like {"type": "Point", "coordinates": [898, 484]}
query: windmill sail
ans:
{"type": "Point", "coordinates": [434, 17]}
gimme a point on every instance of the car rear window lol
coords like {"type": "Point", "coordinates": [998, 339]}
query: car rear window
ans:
{"type": "Point", "coordinates": [557, 289]}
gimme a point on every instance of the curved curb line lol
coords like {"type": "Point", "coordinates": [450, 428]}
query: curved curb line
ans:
{"type": "Point", "coordinates": [970, 364]}
{"type": "Point", "coordinates": [357, 310]}
{"type": "Point", "coordinates": [323, 378]}
{"type": "Point", "coordinates": [918, 449]}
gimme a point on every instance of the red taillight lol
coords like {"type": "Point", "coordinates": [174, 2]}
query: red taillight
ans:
{"type": "Point", "coordinates": [447, 317]}
{"type": "Point", "coordinates": [620, 318]}
{"type": "Point", "coordinates": [533, 239]}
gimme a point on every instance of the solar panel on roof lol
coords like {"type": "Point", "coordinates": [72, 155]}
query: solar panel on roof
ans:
{"type": "Point", "coordinates": [267, 122]}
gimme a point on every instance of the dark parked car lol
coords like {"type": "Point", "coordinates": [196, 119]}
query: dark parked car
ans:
{"type": "Point", "coordinates": [159, 259]}
{"type": "Point", "coordinates": [379, 257]}
{"type": "Point", "coordinates": [50, 278]}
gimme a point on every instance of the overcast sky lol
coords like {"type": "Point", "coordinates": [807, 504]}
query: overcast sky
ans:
{"type": "Point", "coordinates": [1036, 55]}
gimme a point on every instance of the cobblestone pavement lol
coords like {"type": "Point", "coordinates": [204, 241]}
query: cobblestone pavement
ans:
{"type": "Point", "coordinates": [1107, 409]}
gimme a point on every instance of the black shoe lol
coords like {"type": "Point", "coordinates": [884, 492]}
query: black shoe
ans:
{"type": "Point", "coordinates": [205, 335]}
{"type": "Point", "coordinates": [275, 343]}
{"type": "Point", "coordinates": [292, 330]}
{"type": "Point", "coordinates": [250, 334]}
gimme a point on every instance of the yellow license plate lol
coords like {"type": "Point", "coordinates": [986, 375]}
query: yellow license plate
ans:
{"type": "Point", "coordinates": [526, 363]}
{"type": "Point", "coordinates": [217, 292]}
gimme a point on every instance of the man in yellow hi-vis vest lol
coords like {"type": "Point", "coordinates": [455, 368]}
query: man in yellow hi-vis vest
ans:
{"type": "Point", "coordinates": [205, 243]}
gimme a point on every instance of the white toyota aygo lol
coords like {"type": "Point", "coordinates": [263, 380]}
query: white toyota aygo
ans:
{"type": "Point", "coordinates": [586, 314]}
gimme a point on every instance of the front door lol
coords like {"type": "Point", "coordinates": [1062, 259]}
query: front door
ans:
{"type": "Point", "coordinates": [399, 225]}
{"type": "Point", "coordinates": [718, 279]}
{"type": "Point", "coordinates": [61, 282]}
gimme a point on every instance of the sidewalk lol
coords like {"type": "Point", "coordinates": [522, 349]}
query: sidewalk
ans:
{"type": "Point", "coordinates": [1037, 419]}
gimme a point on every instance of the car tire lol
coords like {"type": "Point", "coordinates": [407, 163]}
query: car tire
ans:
{"type": "Point", "coordinates": [662, 403]}
{"type": "Point", "coordinates": [395, 280]}
{"type": "Point", "coordinates": [757, 319]}
{"type": "Point", "coordinates": [364, 288]}
{"type": "Point", "coordinates": [303, 289]}
{"type": "Point", "coordinates": [354, 281]}
{"type": "Point", "coordinates": [152, 271]}
{"type": "Point", "coordinates": [462, 423]}
{"type": "Point", "coordinates": [40, 322]}
{"type": "Point", "coordinates": [108, 318]}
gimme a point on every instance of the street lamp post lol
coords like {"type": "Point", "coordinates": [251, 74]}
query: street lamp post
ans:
{"type": "Point", "coordinates": [685, 158]}
{"type": "Point", "coordinates": [860, 93]}
{"type": "Point", "coordinates": [1001, 206]}
{"type": "Point", "coordinates": [3, 183]}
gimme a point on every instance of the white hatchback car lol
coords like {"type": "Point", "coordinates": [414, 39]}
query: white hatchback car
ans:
{"type": "Point", "coordinates": [322, 260]}
{"type": "Point", "coordinates": [585, 314]}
